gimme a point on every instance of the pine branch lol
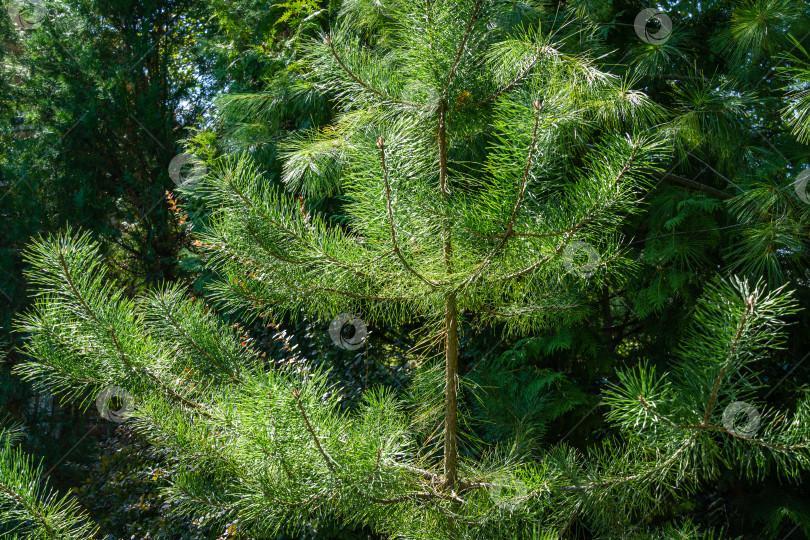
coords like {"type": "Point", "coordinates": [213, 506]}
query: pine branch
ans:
{"type": "Point", "coordinates": [696, 185]}
{"type": "Point", "coordinates": [182, 333]}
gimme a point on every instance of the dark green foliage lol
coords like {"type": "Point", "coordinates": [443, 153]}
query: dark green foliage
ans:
{"type": "Point", "coordinates": [121, 487]}
{"type": "Point", "coordinates": [516, 399]}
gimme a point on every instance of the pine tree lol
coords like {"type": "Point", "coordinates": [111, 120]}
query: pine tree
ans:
{"type": "Point", "coordinates": [448, 155]}
{"type": "Point", "coordinates": [479, 162]}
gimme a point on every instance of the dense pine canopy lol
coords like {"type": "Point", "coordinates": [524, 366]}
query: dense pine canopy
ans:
{"type": "Point", "coordinates": [405, 269]}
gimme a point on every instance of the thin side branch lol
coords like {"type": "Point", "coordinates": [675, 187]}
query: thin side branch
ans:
{"type": "Point", "coordinates": [510, 227]}
{"type": "Point", "coordinates": [328, 41]}
{"type": "Point", "coordinates": [329, 461]}
{"type": "Point", "coordinates": [461, 47]}
{"type": "Point", "coordinates": [503, 90]}
{"type": "Point", "coordinates": [749, 307]}
{"type": "Point", "coordinates": [381, 145]}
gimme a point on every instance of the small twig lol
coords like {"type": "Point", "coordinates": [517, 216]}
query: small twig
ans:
{"type": "Point", "coordinates": [710, 427]}
{"type": "Point", "coordinates": [173, 321]}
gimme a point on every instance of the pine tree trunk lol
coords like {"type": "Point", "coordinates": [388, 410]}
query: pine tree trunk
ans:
{"type": "Point", "coordinates": [450, 324]}
{"type": "Point", "coordinates": [450, 393]}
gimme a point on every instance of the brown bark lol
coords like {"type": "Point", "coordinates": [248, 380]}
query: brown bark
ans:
{"type": "Point", "coordinates": [450, 395]}
{"type": "Point", "coordinates": [450, 324]}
